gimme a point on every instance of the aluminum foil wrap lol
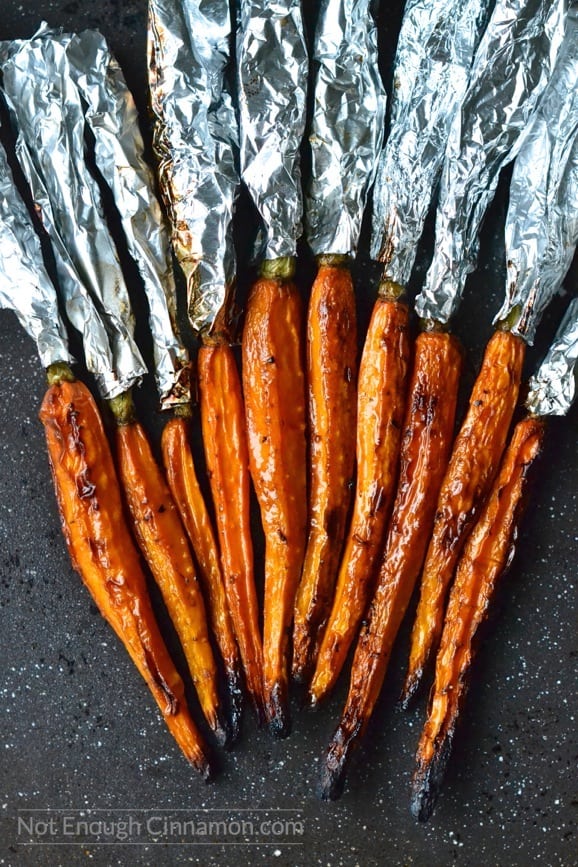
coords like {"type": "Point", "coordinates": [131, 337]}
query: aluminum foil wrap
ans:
{"type": "Point", "coordinates": [435, 51]}
{"type": "Point", "coordinates": [272, 60]}
{"type": "Point", "coordinates": [112, 116]}
{"type": "Point", "coordinates": [196, 143]}
{"type": "Point", "coordinates": [553, 387]}
{"type": "Point", "coordinates": [347, 126]}
{"type": "Point", "coordinates": [542, 221]}
{"type": "Point", "coordinates": [510, 71]}
{"type": "Point", "coordinates": [50, 147]}
{"type": "Point", "coordinates": [25, 286]}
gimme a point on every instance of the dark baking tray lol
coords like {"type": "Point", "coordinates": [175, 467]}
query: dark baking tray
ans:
{"type": "Point", "coordinates": [78, 728]}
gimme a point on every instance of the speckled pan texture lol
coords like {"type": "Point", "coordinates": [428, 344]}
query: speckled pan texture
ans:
{"type": "Point", "coordinates": [79, 731]}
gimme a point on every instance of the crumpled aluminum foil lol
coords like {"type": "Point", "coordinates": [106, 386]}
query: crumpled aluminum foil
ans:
{"type": "Point", "coordinates": [542, 220]}
{"type": "Point", "coordinates": [196, 143]}
{"type": "Point", "coordinates": [112, 116]}
{"type": "Point", "coordinates": [272, 66]}
{"type": "Point", "coordinates": [553, 387]}
{"type": "Point", "coordinates": [510, 71]}
{"type": "Point", "coordinates": [435, 51]}
{"type": "Point", "coordinates": [50, 147]}
{"type": "Point", "coordinates": [347, 126]}
{"type": "Point", "coordinates": [25, 286]}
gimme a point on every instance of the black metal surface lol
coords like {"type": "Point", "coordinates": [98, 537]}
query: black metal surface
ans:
{"type": "Point", "coordinates": [78, 728]}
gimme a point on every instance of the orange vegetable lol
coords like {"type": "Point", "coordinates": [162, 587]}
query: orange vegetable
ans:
{"type": "Point", "coordinates": [426, 443]}
{"type": "Point", "coordinates": [225, 443]}
{"type": "Point", "coordinates": [472, 468]}
{"type": "Point", "coordinates": [485, 558]}
{"type": "Point", "coordinates": [380, 407]}
{"type": "Point", "coordinates": [188, 497]}
{"type": "Point", "coordinates": [332, 382]}
{"type": "Point", "coordinates": [163, 542]}
{"type": "Point", "coordinates": [274, 388]}
{"type": "Point", "coordinates": [102, 550]}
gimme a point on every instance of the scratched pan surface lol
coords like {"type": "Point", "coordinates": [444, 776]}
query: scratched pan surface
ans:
{"type": "Point", "coordinates": [79, 730]}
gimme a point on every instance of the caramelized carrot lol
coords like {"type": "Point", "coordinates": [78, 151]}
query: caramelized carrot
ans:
{"type": "Point", "coordinates": [188, 497]}
{"type": "Point", "coordinates": [102, 550]}
{"type": "Point", "coordinates": [332, 385]}
{"type": "Point", "coordinates": [163, 542]}
{"type": "Point", "coordinates": [274, 388]}
{"type": "Point", "coordinates": [227, 457]}
{"type": "Point", "coordinates": [426, 443]}
{"type": "Point", "coordinates": [472, 468]}
{"type": "Point", "coordinates": [380, 408]}
{"type": "Point", "coordinates": [485, 558]}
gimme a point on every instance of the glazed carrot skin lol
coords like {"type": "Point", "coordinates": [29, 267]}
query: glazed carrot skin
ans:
{"type": "Point", "coordinates": [163, 543]}
{"type": "Point", "coordinates": [486, 556]}
{"type": "Point", "coordinates": [426, 444]}
{"type": "Point", "coordinates": [103, 553]}
{"type": "Point", "coordinates": [227, 458]}
{"type": "Point", "coordinates": [274, 388]}
{"type": "Point", "coordinates": [472, 468]}
{"type": "Point", "coordinates": [380, 409]}
{"type": "Point", "coordinates": [188, 497]}
{"type": "Point", "coordinates": [332, 393]}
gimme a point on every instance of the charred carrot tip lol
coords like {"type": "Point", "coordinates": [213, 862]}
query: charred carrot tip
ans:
{"type": "Point", "coordinates": [332, 784]}
{"type": "Point", "coordinates": [205, 769]}
{"type": "Point", "coordinates": [411, 689]}
{"type": "Point", "coordinates": [197, 753]}
{"type": "Point", "coordinates": [277, 711]}
{"type": "Point", "coordinates": [235, 702]}
{"type": "Point", "coordinates": [299, 674]}
{"type": "Point", "coordinates": [201, 765]}
{"type": "Point", "coordinates": [334, 767]}
{"type": "Point", "coordinates": [196, 756]}
{"type": "Point", "coordinates": [259, 711]}
{"type": "Point", "coordinates": [312, 701]}
{"type": "Point", "coordinates": [302, 665]}
{"type": "Point", "coordinates": [427, 782]}
{"type": "Point", "coordinates": [220, 728]}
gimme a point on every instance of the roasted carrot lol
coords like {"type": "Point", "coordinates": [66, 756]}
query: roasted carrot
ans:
{"type": "Point", "coordinates": [472, 468]}
{"type": "Point", "coordinates": [380, 407]}
{"type": "Point", "coordinates": [164, 545]}
{"type": "Point", "coordinates": [332, 394]}
{"type": "Point", "coordinates": [188, 497]}
{"type": "Point", "coordinates": [426, 443]}
{"type": "Point", "coordinates": [274, 388]}
{"type": "Point", "coordinates": [485, 558]}
{"type": "Point", "coordinates": [102, 550]}
{"type": "Point", "coordinates": [227, 457]}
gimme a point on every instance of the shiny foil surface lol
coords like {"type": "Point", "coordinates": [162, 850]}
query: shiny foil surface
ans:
{"type": "Point", "coordinates": [434, 55]}
{"type": "Point", "coordinates": [25, 286]}
{"type": "Point", "coordinates": [553, 387]}
{"type": "Point", "coordinates": [510, 71]}
{"type": "Point", "coordinates": [347, 126]}
{"type": "Point", "coordinates": [48, 112]}
{"type": "Point", "coordinates": [112, 116]}
{"type": "Point", "coordinates": [542, 220]}
{"type": "Point", "coordinates": [196, 144]}
{"type": "Point", "coordinates": [272, 72]}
